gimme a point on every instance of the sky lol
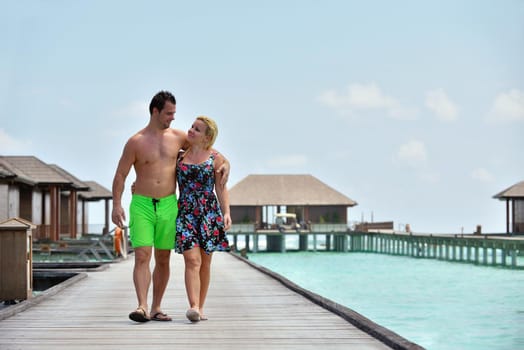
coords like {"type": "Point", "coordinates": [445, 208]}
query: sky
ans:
{"type": "Point", "coordinates": [414, 109]}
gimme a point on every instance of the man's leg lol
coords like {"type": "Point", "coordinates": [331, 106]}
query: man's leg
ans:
{"type": "Point", "coordinates": [142, 276]}
{"type": "Point", "coordinates": [160, 278]}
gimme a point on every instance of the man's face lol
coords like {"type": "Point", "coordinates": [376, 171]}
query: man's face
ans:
{"type": "Point", "coordinates": [167, 114]}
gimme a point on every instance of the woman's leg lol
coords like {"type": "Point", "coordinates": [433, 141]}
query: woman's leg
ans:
{"type": "Point", "coordinates": [193, 262]}
{"type": "Point", "coordinates": [205, 278]}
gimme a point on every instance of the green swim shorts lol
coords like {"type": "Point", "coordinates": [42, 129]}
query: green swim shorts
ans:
{"type": "Point", "coordinates": [152, 221]}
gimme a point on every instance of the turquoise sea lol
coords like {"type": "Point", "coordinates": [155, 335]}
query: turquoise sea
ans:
{"type": "Point", "coordinates": [438, 305]}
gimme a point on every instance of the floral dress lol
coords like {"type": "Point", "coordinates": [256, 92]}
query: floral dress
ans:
{"type": "Point", "coordinates": [199, 222]}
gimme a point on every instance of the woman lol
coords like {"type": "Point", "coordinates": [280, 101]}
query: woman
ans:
{"type": "Point", "coordinates": [202, 220]}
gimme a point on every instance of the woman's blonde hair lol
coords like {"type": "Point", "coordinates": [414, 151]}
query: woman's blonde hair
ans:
{"type": "Point", "coordinates": [211, 130]}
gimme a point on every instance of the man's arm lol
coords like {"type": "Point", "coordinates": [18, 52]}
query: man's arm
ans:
{"type": "Point", "coordinates": [223, 195]}
{"type": "Point", "coordinates": [124, 166]}
{"type": "Point", "coordinates": [223, 169]}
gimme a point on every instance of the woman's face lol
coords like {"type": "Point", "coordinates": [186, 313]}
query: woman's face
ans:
{"type": "Point", "coordinates": [197, 133]}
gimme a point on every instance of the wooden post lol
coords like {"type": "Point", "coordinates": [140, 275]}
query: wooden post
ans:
{"type": "Point", "coordinates": [54, 196]}
{"type": "Point", "coordinates": [84, 221]}
{"type": "Point", "coordinates": [477, 253]}
{"type": "Point", "coordinates": [485, 252]}
{"type": "Point", "coordinates": [507, 215]}
{"type": "Point", "coordinates": [73, 198]}
{"type": "Point", "coordinates": [514, 257]}
{"type": "Point", "coordinates": [106, 223]}
{"type": "Point", "coordinates": [513, 224]}
{"type": "Point", "coordinates": [255, 243]}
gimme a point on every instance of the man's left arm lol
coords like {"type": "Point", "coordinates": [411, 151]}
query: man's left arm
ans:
{"type": "Point", "coordinates": [223, 169]}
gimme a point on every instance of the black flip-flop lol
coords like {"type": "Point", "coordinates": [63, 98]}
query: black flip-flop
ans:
{"type": "Point", "coordinates": [139, 315]}
{"type": "Point", "coordinates": [163, 317]}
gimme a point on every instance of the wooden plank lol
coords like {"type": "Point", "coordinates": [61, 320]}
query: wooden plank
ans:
{"type": "Point", "coordinates": [247, 309]}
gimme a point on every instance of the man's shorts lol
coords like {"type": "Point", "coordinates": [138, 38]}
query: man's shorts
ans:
{"type": "Point", "coordinates": [152, 221]}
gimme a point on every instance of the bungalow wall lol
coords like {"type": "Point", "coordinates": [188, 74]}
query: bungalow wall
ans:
{"type": "Point", "coordinates": [36, 211]}
{"type": "Point", "coordinates": [4, 202]}
{"type": "Point", "coordinates": [64, 213]}
{"type": "Point", "coordinates": [327, 214]}
{"type": "Point", "coordinates": [26, 203]}
{"type": "Point", "coordinates": [13, 202]}
{"type": "Point", "coordinates": [519, 215]}
{"type": "Point", "coordinates": [9, 202]}
{"type": "Point", "coordinates": [20, 201]}
{"type": "Point", "coordinates": [243, 214]}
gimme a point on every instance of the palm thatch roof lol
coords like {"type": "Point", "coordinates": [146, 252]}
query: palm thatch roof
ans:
{"type": "Point", "coordinates": [299, 190]}
{"type": "Point", "coordinates": [96, 192]}
{"type": "Point", "coordinates": [76, 183]}
{"type": "Point", "coordinates": [31, 170]}
{"type": "Point", "coordinates": [515, 191]}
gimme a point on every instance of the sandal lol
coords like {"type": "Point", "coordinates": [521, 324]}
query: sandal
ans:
{"type": "Point", "coordinates": [193, 315]}
{"type": "Point", "coordinates": [139, 315]}
{"type": "Point", "coordinates": [160, 316]}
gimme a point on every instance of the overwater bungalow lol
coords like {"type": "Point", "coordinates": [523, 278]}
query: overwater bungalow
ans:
{"type": "Point", "coordinates": [54, 200]}
{"type": "Point", "coordinates": [514, 197]}
{"type": "Point", "coordinates": [254, 200]}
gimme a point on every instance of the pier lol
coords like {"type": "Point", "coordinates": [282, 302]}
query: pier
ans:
{"type": "Point", "coordinates": [248, 307]}
{"type": "Point", "coordinates": [499, 250]}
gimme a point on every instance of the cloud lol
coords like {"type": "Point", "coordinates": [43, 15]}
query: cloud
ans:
{"type": "Point", "coordinates": [10, 145]}
{"type": "Point", "coordinates": [482, 175]}
{"type": "Point", "coordinates": [440, 104]}
{"type": "Point", "coordinates": [412, 153]}
{"type": "Point", "coordinates": [365, 97]}
{"type": "Point", "coordinates": [508, 107]}
{"type": "Point", "coordinates": [287, 161]}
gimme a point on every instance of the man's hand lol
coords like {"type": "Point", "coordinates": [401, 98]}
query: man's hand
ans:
{"type": "Point", "coordinates": [227, 222]}
{"type": "Point", "coordinates": [118, 216]}
{"type": "Point", "coordinates": [224, 170]}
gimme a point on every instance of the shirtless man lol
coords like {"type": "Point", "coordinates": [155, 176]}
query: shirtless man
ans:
{"type": "Point", "coordinates": [153, 152]}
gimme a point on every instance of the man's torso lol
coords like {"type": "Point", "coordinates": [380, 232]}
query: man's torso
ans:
{"type": "Point", "coordinates": [155, 163]}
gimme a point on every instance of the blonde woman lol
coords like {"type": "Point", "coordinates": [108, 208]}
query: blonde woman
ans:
{"type": "Point", "coordinates": [203, 217]}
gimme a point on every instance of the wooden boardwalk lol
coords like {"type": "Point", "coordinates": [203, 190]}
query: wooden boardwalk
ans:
{"type": "Point", "coordinates": [247, 309]}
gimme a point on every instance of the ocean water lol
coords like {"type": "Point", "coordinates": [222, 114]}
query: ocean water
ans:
{"type": "Point", "coordinates": [436, 304]}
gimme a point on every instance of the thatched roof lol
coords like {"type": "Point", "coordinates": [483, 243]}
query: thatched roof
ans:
{"type": "Point", "coordinates": [96, 192]}
{"type": "Point", "coordinates": [76, 183]}
{"type": "Point", "coordinates": [515, 191]}
{"type": "Point", "coordinates": [31, 170]}
{"type": "Point", "coordinates": [304, 190]}
{"type": "Point", "coordinates": [5, 173]}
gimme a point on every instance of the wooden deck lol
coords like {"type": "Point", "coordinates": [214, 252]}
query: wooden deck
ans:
{"type": "Point", "coordinates": [247, 309]}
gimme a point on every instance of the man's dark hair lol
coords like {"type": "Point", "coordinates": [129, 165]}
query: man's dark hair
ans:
{"type": "Point", "coordinates": [159, 100]}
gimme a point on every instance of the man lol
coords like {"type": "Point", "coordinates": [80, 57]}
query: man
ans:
{"type": "Point", "coordinates": [152, 152]}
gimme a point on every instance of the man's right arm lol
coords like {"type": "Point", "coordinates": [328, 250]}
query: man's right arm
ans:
{"type": "Point", "coordinates": [124, 166]}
